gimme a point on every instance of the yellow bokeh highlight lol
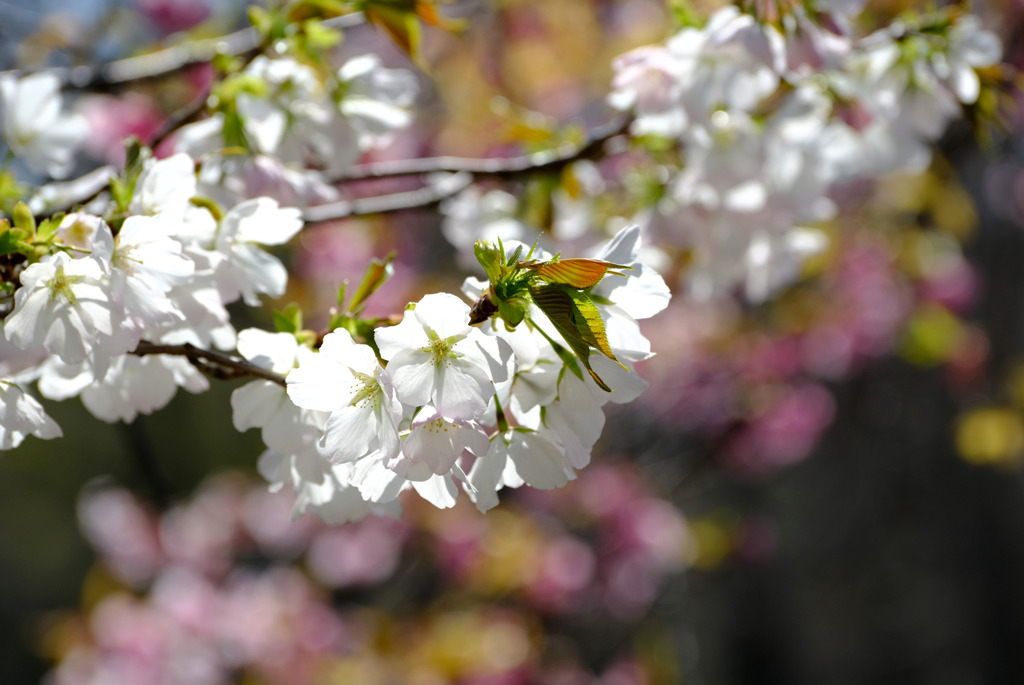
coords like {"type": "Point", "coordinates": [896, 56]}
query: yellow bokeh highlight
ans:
{"type": "Point", "coordinates": [714, 541]}
{"type": "Point", "coordinates": [462, 643]}
{"type": "Point", "coordinates": [991, 436]}
{"type": "Point", "coordinates": [511, 548]}
{"type": "Point", "coordinates": [933, 336]}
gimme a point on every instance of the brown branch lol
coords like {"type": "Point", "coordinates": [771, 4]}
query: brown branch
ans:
{"type": "Point", "coordinates": [184, 115]}
{"type": "Point", "coordinates": [378, 204]}
{"type": "Point", "coordinates": [216, 364]}
{"type": "Point", "coordinates": [591, 146]}
{"type": "Point", "coordinates": [464, 170]}
{"type": "Point", "coordinates": [168, 61]}
{"type": "Point", "coordinates": [62, 195]}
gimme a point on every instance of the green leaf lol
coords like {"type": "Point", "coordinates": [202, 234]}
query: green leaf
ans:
{"type": "Point", "coordinates": [135, 155]}
{"type": "Point", "coordinates": [121, 193]}
{"type": "Point", "coordinates": [224, 63]}
{"type": "Point", "coordinates": [376, 275]}
{"type": "Point", "coordinates": [578, 273]}
{"type": "Point", "coordinates": [13, 240]}
{"type": "Point", "coordinates": [489, 258]}
{"type": "Point", "coordinates": [568, 360]}
{"type": "Point", "coordinates": [259, 18]}
{"type": "Point", "coordinates": [514, 257]}
{"type": "Point", "coordinates": [320, 37]}
{"type": "Point", "coordinates": [23, 219]}
{"type": "Point", "coordinates": [271, 25]}
{"type": "Point", "coordinates": [341, 294]}
{"type": "Point", "coordinates": [338, 320]}
{"type": "Point", "coordinates": [49, 226]}
{"type": "Point", "coordinates": [684, 14]}
{"type": "Point", "coordinates": [513, 311]}
{"type": "Point", "coordinates": [289, 319]}
{"type": "Point", "coordinates": [234, 130]}
{"type": "Point", "coordinates": [589, 324]}
{"type": "Point", "coordinates": [573, 325]}
{"type": "Point", "coordinates": [316, 9]}
{"type": "Point", "coordinates": [122, 186]}
{"type": "Point", "coordinates": [10, 191]}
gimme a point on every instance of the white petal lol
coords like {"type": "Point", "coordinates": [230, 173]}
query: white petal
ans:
{"type": "Point", "coordinates": [348, 435]}
{"type": "Point", "coordinates": [540, 463]}
{"type": "Point", "coordinates": [254, 403]}
{"type": "Point", "coordinates": [443, 313]}
{"type": "Point", "coordinates": [438, 490]}
{"type": "Point", "coordinates": [486, 474]}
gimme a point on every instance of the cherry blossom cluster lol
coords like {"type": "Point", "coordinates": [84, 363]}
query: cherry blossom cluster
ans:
{"type": "Point", "coordinates": [161, 261]}
{"type": "Point", "coordinates": [289, 116]}
{"type": "Point", "coordinates": [755, 123]}
{"type": "Point", "coordinates": [774, 116]}
{"type": "Point", "coordinates": [34, 127]}
{"type": "Point", "coordinates": [165, 277]}
{"type": "Point", "coordinates": [753, 127]}
{"type": "Point", "coordinates": [430, 404]}
{"type": "Point", "coordinates": [436, 403]}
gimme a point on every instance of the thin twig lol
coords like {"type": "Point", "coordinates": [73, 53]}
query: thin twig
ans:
{"type": "Point", "coordinates": [216, 364]}
{"type": "Point", "coordinates": [168, 61]}
{"type": "Point", "coordinates": [180, 117]}
{"type": "Point", "coordinates": [463, 170]}
{"type": "Point", "coordinates": [392, 202]}
{"type": "Point", "coordinates": [62, 195]}
{"type": "Point", "coordinates": [501, 166]}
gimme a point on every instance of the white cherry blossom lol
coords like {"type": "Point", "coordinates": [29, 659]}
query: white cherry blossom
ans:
{"type": "Point", "coordinates": [375, 100]}
{"type": "Point", "coordinates": [146, 265]}
{"type": "Point", "coordinates": [435, 357]}
{"type": "Point", "coordinates": [969, 48]}
{"type": "Point", "coordinates": [62, 304]}
{"type": "Point", "coordinates": [21, 415]}
{"type": "Point", "coordinates": [434, 445]}
{"type": "Point", "coordinates": [88, 235]}
{"type": "Point", "coordinates": [140, 385]}
{"type": "Point", "coordinates": [34, 127]}
{"type": "Point", "coordinates": [292, 90]}
{"type": "Point", "coordinates": [575, 420]}
{"type": "Point", "coordinates": [249, 270]}
{"type": "Point", "coordinates": [322, 489]}
{"type": "Point", "coordinates": [262, 404]}
{"type": "Point", "coordinates": [516, 457]}
{"type": "Point", "coordinates": [345, 379]}
{"type": "Point", "coordinates": [651, 81]}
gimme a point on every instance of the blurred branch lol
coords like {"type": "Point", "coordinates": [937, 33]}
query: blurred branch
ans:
{"type": "Point", "coordinates": [168, 61]}
{"type": "Point", "coordinates": [185, 115]}
{"type": "Point", "coordinates": [462, 171]}
{"type": "Point", "coordinates": [140, 447]}
{"type": "Point", "coordinates": [216, 364]}
{"type": "Point", "coordinates": [591, 146]}
{"type": "Point", "coordinates": [411, 199]}
{"type": "Point", "coordinates": [62, 195]}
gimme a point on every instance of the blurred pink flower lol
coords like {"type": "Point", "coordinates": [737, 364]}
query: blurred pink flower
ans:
{"type": "Point", "coordinates": [785, 431]}
{"type": "Point", "coordinates": [564, 573]}
{"type": "Point", "coordinates": [123, 533]}
{"type": "Point", "coordinates": [171, 16]}
{"type": "Point", "coordinates": [954, 287]}
{"type": "Point", "coordinates": [112, 119]}
{"type": "Point", "coordinates": [360, 553]}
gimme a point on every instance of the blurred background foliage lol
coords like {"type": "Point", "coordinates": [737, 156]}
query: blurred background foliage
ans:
{"type": "Point", "coordinates": [823, 488]}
